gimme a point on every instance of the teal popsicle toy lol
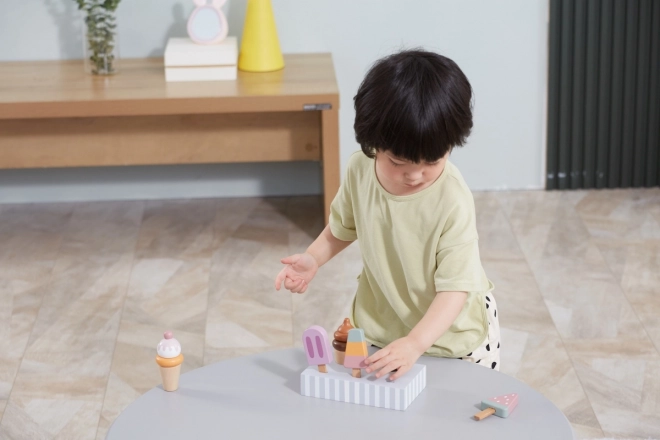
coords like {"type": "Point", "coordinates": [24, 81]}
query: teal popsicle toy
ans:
{"type": "Point", "coordinates": [501, 406]}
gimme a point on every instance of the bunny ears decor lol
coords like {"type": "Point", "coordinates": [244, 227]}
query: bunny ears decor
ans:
{"type": "Point", "coordinates": [209, 54]}
{"type": "Point", "coordinates": [207, 23]}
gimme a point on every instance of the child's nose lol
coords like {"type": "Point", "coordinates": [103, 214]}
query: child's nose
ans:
{"type": "Point", "coordinates": [414, 175]}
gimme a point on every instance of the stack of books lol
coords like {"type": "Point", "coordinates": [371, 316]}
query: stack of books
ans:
{"type": "Point", "coordinates": [186, 60]}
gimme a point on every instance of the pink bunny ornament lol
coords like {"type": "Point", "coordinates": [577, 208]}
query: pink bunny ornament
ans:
{"type": "Point", "coordinates": [207, 23]}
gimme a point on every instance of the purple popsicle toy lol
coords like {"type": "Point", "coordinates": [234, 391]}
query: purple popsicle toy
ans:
{"type": "Point", "coordinates": [317, 347]}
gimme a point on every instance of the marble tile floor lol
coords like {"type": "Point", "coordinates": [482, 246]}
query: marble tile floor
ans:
{"type": "Point", "coordinates": [86, 290]}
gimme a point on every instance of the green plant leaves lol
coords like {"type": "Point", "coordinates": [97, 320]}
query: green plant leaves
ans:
{"type": "Point", "coordinates": [101, 25]}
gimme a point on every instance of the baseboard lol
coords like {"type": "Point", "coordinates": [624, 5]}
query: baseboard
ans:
{"type": "Point", "coordinates": [160, 182]}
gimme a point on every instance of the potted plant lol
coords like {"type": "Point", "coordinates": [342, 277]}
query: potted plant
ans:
{"type": "Point", "coordinates": [100, 37]}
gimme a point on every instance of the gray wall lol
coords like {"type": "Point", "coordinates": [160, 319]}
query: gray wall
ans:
{"type": "Point", "coordinates": [501, 46]}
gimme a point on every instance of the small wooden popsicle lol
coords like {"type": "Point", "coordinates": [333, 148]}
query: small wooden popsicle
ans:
{"type": "Point", "coordinates": [317, 348]}
{"type": "Point", "coordinates": [501, 406]}
{"type": "Point", "coordinates": [356, 351]}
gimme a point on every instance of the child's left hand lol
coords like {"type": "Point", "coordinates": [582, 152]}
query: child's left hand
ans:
{"type": "Point", "coordinates": [400, 355]}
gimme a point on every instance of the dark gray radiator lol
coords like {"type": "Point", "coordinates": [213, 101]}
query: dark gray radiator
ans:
{"type": "Point", "coordinates": [604, 94]}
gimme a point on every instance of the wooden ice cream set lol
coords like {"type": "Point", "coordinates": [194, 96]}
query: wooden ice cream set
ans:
{"type": "Point", "coordinates": [342, 380]}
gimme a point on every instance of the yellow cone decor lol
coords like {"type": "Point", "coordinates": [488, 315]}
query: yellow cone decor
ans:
{"type": "Point", "coordinates": [260, 47]}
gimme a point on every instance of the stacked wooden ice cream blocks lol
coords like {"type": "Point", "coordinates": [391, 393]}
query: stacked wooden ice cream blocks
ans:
{"type": "Point", "coordinates": [343, 381]}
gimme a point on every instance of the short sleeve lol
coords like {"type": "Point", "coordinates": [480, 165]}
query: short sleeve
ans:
{"type": "Point", "coordinates": [342, 222]}
{"type": "Point", "coordinates": [457, 257]}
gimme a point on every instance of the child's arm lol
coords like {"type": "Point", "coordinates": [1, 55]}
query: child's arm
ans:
{"type": "Point", "coordinates": [326, 246]}
{"type": "Point", "coordinates": [301, 268]}
{"type": "Point", "coordinates": [438, 318]}
{"type": "Point", "coordinates": [404, 352]}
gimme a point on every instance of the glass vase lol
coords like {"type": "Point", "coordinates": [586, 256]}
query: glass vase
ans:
{"type": "Point", "coordinates": [101, 42]}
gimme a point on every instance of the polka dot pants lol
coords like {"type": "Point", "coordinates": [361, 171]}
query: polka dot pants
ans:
{"type": "Point", "coordinates": [488, 353]}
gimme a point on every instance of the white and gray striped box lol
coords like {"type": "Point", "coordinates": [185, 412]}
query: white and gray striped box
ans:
{"type": "Point", "coordinates": [338, 384]}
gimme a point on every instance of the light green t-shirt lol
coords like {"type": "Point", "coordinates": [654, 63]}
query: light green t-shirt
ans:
{"type": "Point", "coordinates": [412, 247]}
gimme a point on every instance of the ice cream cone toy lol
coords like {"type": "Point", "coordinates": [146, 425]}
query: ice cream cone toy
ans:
{"type": "Point", "coordinates": [501, 406]}
{"type": "Point", "coordinates": [356, 351]}
{"type": "Point", "coordinates": [169, 360]}
{"type": "Point", "coordinates": [339, 343]}
{"type": "Point", "coordinates": [317, 348]}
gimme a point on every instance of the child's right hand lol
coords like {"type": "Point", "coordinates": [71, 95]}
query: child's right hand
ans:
{"type": "Point", "coordinates": [298, 272]}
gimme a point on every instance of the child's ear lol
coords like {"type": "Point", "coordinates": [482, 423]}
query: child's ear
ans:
{"type": "Point", "coordinates": [218, 3]}
{"type": "Point", "coordinates": [199, 2]}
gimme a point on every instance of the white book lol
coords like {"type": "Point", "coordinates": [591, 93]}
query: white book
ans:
{"type": "Point", "coordinates": [210, 73]}
{"type": "Point", "coordinates": [185, 52]}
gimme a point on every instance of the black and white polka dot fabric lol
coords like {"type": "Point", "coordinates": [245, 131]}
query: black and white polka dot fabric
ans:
{"type": "Point", "coordinates": [488, 353]}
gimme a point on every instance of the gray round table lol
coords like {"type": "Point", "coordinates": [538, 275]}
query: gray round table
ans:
{"type": "Point", "coordinates": [258, 397]}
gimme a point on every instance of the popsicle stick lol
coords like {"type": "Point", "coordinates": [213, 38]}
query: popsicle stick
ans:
{"type": "Point", "coordinates": [322, 368]}
{"type": "Point", "coordinates": [357, 373]}
{"type": "Point", "coordinates": [485, 413]}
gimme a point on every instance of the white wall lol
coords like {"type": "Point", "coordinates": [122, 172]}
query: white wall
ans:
{"type": "Point", "coordinates": [501, 46]}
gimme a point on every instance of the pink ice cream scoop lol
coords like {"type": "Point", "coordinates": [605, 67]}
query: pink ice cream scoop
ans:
{"type": "Point", "coordinates": [317, 347]}
{"type": "Point", "coordinates": [168, 347]}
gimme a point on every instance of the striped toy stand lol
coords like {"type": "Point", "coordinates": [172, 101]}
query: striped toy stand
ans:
{"type": "Point", "coordinates": [338, 384]}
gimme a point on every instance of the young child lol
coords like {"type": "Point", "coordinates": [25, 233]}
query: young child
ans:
{"type": "Point", "coordinates": [423, 290]}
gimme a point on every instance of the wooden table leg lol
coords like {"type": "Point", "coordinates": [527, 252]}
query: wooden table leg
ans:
{"type": "Point", "coordinates": [330, 157]}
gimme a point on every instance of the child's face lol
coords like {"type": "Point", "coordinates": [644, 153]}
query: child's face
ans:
{"type": "Point", "coordinates": [401, 177]}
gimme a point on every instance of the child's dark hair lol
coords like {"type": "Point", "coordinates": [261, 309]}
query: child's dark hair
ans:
{"type": "Point", "coordinates": [415, 104]}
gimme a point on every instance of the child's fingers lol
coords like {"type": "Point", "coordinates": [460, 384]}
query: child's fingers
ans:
{"type": "Point", "coordinates": [292, 284]}
{"type": "Point", "coordinates": [280, 277]}
{"type": "Point", "coordinates": [376, 356]}
{"type": "Point", "coordinates": [400, 372]}
{"type": "Point", "coordinates": [289, 283]}
{"type": "Point", "coordinates": [298, 287]}
{"type": "Point", "coordinates": [301, 288]}
{"type": "Point", "coordinates": [380, 363]}
{"type": "Point", "coordinates": [304, 289]}
{"type": "Point", "coordinates": [389, 368]}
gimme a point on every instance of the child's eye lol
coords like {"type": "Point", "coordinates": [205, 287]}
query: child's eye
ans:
{"type": "Point", "coordinates": [395, 164]}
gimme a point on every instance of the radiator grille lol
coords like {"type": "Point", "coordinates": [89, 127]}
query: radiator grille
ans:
{"type": "Point", "coordinates": [603, 94]}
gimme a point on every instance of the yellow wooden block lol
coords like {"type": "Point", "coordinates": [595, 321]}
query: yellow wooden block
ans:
{"type": "Point", "coordinates": [356, 349]}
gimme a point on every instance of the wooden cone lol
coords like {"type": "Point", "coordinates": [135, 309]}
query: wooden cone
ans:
{"type": "Point", "coordinates": [339, 357]}
{"type": "Point", "coordinates": [485, 413]}
{"type": "Point", "coordinates": [260, 46]}
{"type": "Point", "coordinates": [170, 377]}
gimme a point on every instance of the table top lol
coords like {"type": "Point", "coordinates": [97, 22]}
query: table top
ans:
{"type": "Point", "coordinates": [55, 89]}
{"type": "Point", "coordinates": [258, 397]}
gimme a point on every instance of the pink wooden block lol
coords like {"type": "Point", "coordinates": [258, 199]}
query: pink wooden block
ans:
{"type": "Point", "coordinates": [503, 405]}
{"type": "Point", "coordinates": [355, 362]}
{"type": "Point", "coordinates": [317, 346]}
